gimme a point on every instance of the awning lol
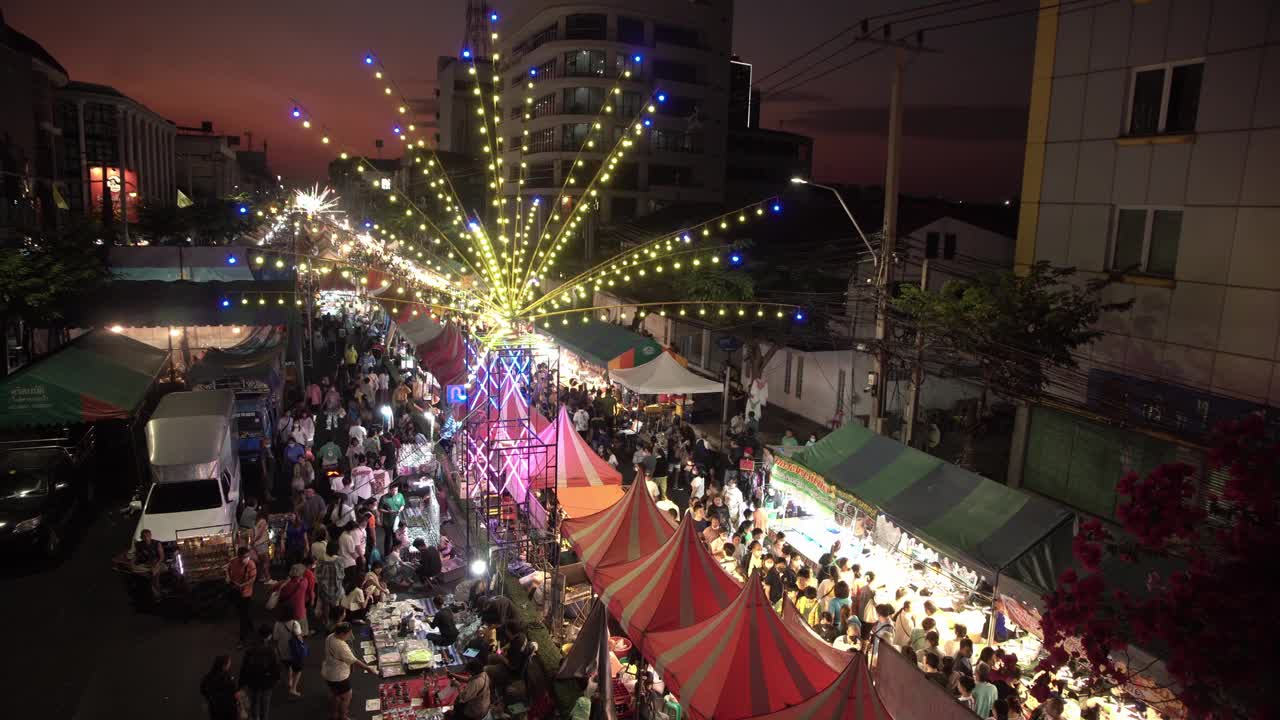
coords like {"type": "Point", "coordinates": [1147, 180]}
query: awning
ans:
{"type": "Point", "coordinates": [580, 501]}
{"type": "Point", "coordinates": [97, 376]}
{"type": "Point", "coordinates": [664, 375]}
{"type": "Point", "coordinates": [169, 264]}
{"type": "Point", "coordinates": [600, 342]}
{"type": "Point", "coordinates": [631, 528]}
{"type": "Point", "coordinates": [577, 465]}
{"type": "Point", "coordinates": [257, 357]}
{"type": "Point", "coordinates": [186, 304]}
{"type": "Point", "coordinates": [992, 527]}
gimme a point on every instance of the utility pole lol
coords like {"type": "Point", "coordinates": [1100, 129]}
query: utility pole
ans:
{"type": "Point", "coordinates": [888, 243]}
{"type": "Point", "coordinates": [917, 369]}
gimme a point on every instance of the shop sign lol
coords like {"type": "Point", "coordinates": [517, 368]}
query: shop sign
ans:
{"type": "Point", "coordinates": [811, 483]}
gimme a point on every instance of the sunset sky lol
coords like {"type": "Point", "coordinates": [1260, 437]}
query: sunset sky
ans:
{"type": "Point", "coordinates": [238, 63]}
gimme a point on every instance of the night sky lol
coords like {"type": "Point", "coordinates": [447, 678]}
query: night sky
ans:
{"type": "Point", "coordinates": [238, 63]}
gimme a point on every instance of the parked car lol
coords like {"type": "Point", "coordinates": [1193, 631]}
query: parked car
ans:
{"type": "Point", "coordinates": [45, 487]}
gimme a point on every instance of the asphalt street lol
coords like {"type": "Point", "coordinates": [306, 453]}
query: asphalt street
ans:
{"type": "Point", "coordinates": [81, 652]}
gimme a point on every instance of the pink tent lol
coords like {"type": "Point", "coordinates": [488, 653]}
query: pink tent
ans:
{"type": "Point", "coordinates": [577, 465]}
{"type": "Point", "coordinates": [445, 356]}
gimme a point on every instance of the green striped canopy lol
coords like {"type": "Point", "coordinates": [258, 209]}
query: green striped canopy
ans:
{"type": "Point", "coordinates": [599, 342]}
{"type": "Point", "coordinates": [985, 524]}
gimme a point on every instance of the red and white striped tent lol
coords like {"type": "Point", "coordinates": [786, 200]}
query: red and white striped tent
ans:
{"type": "Point", "coordinates": [850, 697]}
{"type": "Point", "coordinates": [679, 585]}
{"type": "Point", "coordinates": [741, 662]}
{"type": "Point", "coordinates": [632, 528]}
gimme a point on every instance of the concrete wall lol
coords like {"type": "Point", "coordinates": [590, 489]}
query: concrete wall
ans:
{"type": "Point", "coordinates": [1214, 324]}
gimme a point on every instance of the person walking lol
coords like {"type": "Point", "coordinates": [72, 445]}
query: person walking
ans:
{"type": "Point", "coordinates": [241, 572]}
{"type": "Point", "coordinates": [290, 647]}
{"type": "Point", "coordinates": [336, 670]}
{"type": "Point", "coordinates": [389, 509]}
{"type": "Point", "coordinates": [259, 673]}
{"type": "Point", "coordinates": [218, 687]}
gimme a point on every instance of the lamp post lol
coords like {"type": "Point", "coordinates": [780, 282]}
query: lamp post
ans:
{"type": "Point", "coordinates": [853, 315]}
{"type": "Point", "coordinates": [833, 191]}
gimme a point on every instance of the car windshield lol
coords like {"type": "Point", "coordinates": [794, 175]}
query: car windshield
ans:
{"type": "Point", "coordinates": [20, 482]}
{"type": "Point", "coordinates": [184, 497]}
{"type": "Point", "coordinates": [249, 424]}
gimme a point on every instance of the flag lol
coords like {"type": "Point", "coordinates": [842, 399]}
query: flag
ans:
{"type": "Point", "coordinates": [58, 200]}
{"type": "Point", "coordinates": [183, 200]}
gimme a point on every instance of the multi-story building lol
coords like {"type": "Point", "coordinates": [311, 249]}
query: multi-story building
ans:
{"type": "Point", "coordinates": [107, 135]}
{"type": "Point", "coordinates": [1153, 158]}
{"type": "Point", "coordinates": [29, 76]}
{"type": "Point", "coordinates": [206, 163]}
{"type": "Point", "coordinates": [573, 53]}
{"type": "Point", "coordinates": [458, 126]}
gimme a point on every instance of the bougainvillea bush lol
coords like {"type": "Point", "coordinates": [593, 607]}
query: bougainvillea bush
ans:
{"type": "Point", "coordinates": [1215, 619]}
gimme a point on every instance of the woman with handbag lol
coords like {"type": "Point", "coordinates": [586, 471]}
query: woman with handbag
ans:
{"type": "Point", "coordinates": [291, 647]}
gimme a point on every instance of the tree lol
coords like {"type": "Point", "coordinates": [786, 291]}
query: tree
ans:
{"type": "Point", "coordinates": [1212, 615]}
{"type": "Point", "coordinates": [729, 286]}
{"type": "Point", "coordinates": [1007, 329]}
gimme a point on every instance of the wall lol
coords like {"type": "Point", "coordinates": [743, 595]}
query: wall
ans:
{"type": "Point", "coordinates": [1214, 323]}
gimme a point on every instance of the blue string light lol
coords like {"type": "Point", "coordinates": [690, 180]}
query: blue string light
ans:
{"type": "Point", "coordinates": [226, 303]}
{"type": "Point", "coordinates": [244, 210]}
{"type": "Point", "coordinates": [231, 260]}
{"type": "Point", "coordinates": [493, 17]}
{"type": "Point", "coordinates": [368, 59]}
{"type": "Point", "coordinates": [635, 58]}
{"type": "Point", "coordinates": [297, 112]}
{"type": "Point", "coordinates": [662, 97]}
{"type": "Point", "coordinates": [777, 207]}
{"type": "Point", "coordinates": [466, 54]}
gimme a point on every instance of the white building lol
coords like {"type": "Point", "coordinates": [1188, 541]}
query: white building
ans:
{"type": "Point", "coordinates": [1153, 156]}
{"type": "Point", "coordinates": [573, 53]}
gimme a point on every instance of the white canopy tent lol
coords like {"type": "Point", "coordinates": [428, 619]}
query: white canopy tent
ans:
{"type": "Point", "coordinates": [663, 374]}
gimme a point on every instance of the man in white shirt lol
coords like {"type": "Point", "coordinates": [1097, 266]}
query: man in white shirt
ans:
{"type": "Point", "coordinates": [733, 499]}
{"type": "Point", "coordinates": [581, 422]}
{"type": "Point", "coordinates": [357, 431]}
{"type": "Point", "coordinates": [362, 481]}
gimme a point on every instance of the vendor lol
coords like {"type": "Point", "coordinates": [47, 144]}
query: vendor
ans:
{"type": "Point", "coordinates": [446, 628]}
{"type": "Point", "coordinates": [472, 702]}
{"type": "Point", "coordinates": [148, 559]}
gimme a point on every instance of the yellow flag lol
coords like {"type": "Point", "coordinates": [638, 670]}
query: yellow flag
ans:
{"type": "Point", "coordinates": [58, 200]}
{"type": "Point", "coordinates": [183, 200]}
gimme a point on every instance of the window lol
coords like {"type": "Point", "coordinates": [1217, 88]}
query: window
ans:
{"type": "Point", "coordinates": [536, 41]}
{"type": "Point", "coordinates": [786, 376]}
{"type": "Point", "coordinates": [673, 175]}
{"type": "Point", "coordinates": [582, 101]}
{"type": "Point", "coordinates": [1146, 241]}
{"type": "Point", "coordinates": [542, 175]}
{"type": "Point", "coordinates": [679, 106]}
{"type": "Point", "coordinates": [625, 62]}
{"type": "Point", "coordinates": [542, 140]}
{"type": "Point", "coordinates": [573, 137]}
{"type": "Point", "coordinates": [624, 208]}
{"type": "Point", "coordinates": [183, 497]}
{"type": "Point", "coordinates": [626, 176]}
{"type": "Point", "coordinates": [674, 141]}
{"type": "Point", "coordinates": [949, 246]}
{"type": "Point", "coordinates": [545, 105]}
{"type": "Point", "coordinates": [584, 63]}
{"type": "Point", "coordinates": [581, 170]}
{"type": "Point", "coordinates": [672, 35]}
{"type": "Point", "coordinates": [675, 71]}
{"type": "Point", "coordinates": [1165, 98]}
{"type": "Point", "coordinates": [841, 386]}
{"type": "Point", "coordinates": [585, 26]}
{"type": "Point", "coordinates": [513, 173]}
{"type": "Point", "coordinates": [931, 245]}
{"type": "Point", "coordinates": [799, 377]}
{"type": "Point", "coordinates": [546, 70]}
{"type": "Point", "coordinates": [628, 105]}
{"type": "Point", "coordinates": [630, 30]}
{"type": "Point", "coordinates": [515, 111]}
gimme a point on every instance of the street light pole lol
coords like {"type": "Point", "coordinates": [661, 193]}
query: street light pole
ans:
{"type": "Point", "coordinates": [843, 206]}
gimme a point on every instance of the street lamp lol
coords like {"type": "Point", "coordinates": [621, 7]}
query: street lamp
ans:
{"type": "Point", "coordinates": [833, 191]}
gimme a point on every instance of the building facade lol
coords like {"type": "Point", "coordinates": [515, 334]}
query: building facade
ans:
{"type": "Point", "coordinates": [117, 152]}
{"type": "Point", "coordinates": [206, 165]}
{"type": "Point", "coordinates": [458, 126]}
{"type": "Point", "coordinates": [29, 137]}
{"type": "Point", "coordinates": [1152, 151]}
{"type": "Point", "coordinates": [573, 53]}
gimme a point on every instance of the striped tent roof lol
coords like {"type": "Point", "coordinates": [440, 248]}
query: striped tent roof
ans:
{"type": "Point", "coordinates": [835, 659]}
{"type": "Point", "coordinates": [679, 585]}
{"type": "Point", "coordinates": [850, 697]}
{"type": "Point", "coordinates": [631, 528]}
{"type": "Point", "coordinates": [992, 527]}
{"type": "Point", "coordinates": [741, 662]}
{"type": "Point", "coordinates": [577, 465]}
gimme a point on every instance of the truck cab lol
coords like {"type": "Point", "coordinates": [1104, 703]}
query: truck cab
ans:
{"type": "Point", "coordinates": [195, 467]}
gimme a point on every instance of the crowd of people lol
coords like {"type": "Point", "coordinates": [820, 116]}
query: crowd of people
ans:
{"type": "Point", "coordinates": [327, 539]}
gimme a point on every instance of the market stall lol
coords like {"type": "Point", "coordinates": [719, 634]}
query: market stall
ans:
{"type": "Point", "coordinates": [678, 585]}
{"type": "Point", "coordinates": [632, 528]}
{"type": "Point", "coordinates": [664, 375]}
{"type": "Point", "coordinates": [588, 351]}
{"type": "Point", "coordinates": [577, 465]}
{"type": "Point", "coordinates": [742, 662]}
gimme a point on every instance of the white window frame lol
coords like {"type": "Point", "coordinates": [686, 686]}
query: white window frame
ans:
{"type": "Point", "coordinates": [1164, 93]}
{"type": "Point", "coordinates": [1148, 219]}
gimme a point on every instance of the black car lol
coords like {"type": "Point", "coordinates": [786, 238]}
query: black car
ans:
{"type": "Point", "coordinates": [42, 489]}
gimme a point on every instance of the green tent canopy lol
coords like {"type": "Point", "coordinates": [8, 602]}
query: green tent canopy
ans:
{"type": "Point", "coordinates": [992, 527]}
{"type": "Point", "coordinates": [97, 376]}
{"type": "Point", "coordinates": [599, 342]}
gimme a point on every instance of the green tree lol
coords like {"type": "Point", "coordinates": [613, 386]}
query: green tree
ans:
{"type": "Point", "coordinates": [1007, 329]}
